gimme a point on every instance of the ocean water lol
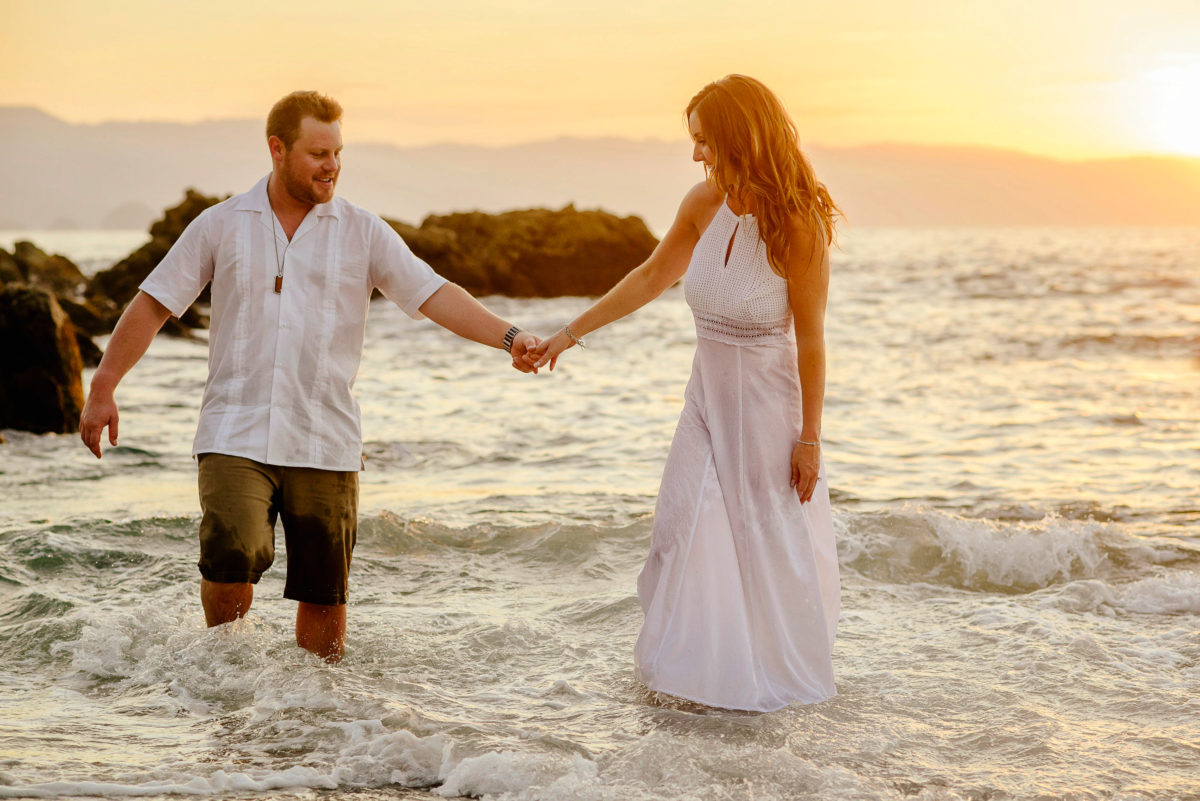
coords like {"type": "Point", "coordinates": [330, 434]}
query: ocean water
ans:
{"type": "Point", "coordinates": [1011, 438]}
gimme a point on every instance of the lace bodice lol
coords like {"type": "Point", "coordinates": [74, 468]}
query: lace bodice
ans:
{"type": "Point", "coordinates": [742, 301]}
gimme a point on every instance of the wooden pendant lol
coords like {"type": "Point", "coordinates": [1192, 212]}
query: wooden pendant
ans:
{"type": "Point", "coordinates": [278, 284]}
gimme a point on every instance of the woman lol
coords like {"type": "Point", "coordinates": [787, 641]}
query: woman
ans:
{"type": "Point", "coordinates": [740, 589]}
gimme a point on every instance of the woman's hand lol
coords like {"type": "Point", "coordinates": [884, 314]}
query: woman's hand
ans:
{"type": "Point", "coordinates": [522, 351]}
{"type": "Point", "coordinates": [806, 470]}
{"type": "Point", "coordinates": [549, 349]}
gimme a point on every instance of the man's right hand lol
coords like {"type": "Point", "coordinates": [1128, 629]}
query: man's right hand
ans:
{"type": "Point", "coordinates": [99, 411]}
{"type": "Point", "coordinates": [134, 332]}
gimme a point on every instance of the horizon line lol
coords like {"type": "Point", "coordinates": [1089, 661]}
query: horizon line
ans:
{"type": "Point", "coordinates": [446, 143]}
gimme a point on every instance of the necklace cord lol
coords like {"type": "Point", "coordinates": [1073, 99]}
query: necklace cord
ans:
{"type": "Point", "coordinates": [275, 243]}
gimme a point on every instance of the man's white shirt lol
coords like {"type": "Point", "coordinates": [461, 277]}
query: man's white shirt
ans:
{"type": "Point", "coordinates": [281, 367]}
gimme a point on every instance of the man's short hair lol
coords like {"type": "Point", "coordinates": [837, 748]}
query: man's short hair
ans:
{"type": "Point", "coordinates": [286, 115]}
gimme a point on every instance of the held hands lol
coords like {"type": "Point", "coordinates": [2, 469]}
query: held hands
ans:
{"type": "Point", "coordinates": [550, 348]}
{"type": "Point", "coordinates": [99, 411]}
{"type": "Point", "coordinates": [806, 469]}
{"type": "Point", "coordinates": [523, 346]}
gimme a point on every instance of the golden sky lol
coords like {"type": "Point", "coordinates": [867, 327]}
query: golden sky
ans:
{"type": "Point", "coordinates": [1071, 79]}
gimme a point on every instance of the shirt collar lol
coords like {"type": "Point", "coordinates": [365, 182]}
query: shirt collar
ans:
{"type": "Point", "coordinates": [256, 200]}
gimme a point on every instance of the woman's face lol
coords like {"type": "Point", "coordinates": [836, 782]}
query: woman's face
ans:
{"type": "Point", "coordinates": [700, 151]}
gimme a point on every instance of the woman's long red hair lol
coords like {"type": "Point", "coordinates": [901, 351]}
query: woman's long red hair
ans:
{"type": "Point", "coordinates": [756, 154]}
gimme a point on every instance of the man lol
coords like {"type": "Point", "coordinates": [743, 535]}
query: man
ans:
{"type": "Point", "coordinates": [292, 269]}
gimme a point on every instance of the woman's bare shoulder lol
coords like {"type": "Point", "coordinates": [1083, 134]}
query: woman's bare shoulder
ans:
{"type": "Point", "coordinates": [700, 203]}
{"type": "Point", "coordinates": [801, 226]}
{"type": "Point", "coordinates": [808, 246]}
{"type": "Point", "coordinates": [704, 195]}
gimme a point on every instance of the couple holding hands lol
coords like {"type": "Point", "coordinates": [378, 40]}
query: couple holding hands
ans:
{"type": "Point", "coordinates": [740, 589]}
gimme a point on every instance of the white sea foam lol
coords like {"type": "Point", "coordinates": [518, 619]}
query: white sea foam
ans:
{"type": "Point", "coordinates": [1177, 593]}
{"type": "Point", "coordinates": [934, 546]}
{"type": "Point", "coordinates": [217, 783]}
{"type": "Point", "coordinates": [1085, 595]}
{"type": "Point", "coordinates": [661, 765]}
{"type": "Point", "coordinates": [1030, 554]}
{"type": "Point", "coordinates": [368, 755]}
{"type": "Point", "coordinates": [374, 755]}
{"type": "Point", "coordinates": [508, 772]}
{"type": "Point", "coordinates": [1174, 593]}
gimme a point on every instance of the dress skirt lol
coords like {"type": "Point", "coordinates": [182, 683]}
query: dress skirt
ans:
{"type": "Point", "coordinates": [740, 589]}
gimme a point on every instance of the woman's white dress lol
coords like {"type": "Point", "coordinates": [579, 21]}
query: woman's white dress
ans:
{"type": "Point", "coordinates": [740, 589]}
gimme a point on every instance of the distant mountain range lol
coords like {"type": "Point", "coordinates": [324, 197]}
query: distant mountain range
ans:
{"type": "Point", "coordinates": [122, 174]}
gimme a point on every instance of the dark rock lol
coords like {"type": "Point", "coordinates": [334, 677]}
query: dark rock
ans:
{"type": "Point", "coordinates": [41, 389]}
{"type": "Point", "coordinates": [439, 246]}
{"type": "Point", "coordinates": [89, 352]}
{"type": "Point", "coordinates": [10, 271]}
{"type": "Point", "coordinates": [57, 274]}
{"type": "Point", "coordinates": [85, 316]}
{"type": "Point", "coordinates": [110, 290]}
{"type": "Point", "coordinates": [88, 323]}
{"type": "Point", "coordinates": [531, 253]}
{"type": "Point", "coordinates": [176, 218]}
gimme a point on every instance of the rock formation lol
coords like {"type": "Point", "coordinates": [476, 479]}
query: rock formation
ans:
{"type": "Point", "coordinates": [10, 271]}
{"type": "Point", "coordinates": [531, 253]}
{"type": "Point", "coordinates": [29, 265]}
{"type": "Point", "coordinates": [41, 390]}
{"type": "Point", "coordinates": [110, 290]}
{"type": "Point", "coordinates": [56, 274]}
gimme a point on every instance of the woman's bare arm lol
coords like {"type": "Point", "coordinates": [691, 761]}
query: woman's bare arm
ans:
{"type": "Point", "coordinates": [647, 281]}
{"type": "Point", "coordinates": [808, 292]}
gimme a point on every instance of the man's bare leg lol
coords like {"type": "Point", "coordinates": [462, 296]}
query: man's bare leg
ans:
{"type": "Point", "coordinates": [321, 629]}
{"type": "Point", "coordinates": [224, 602]}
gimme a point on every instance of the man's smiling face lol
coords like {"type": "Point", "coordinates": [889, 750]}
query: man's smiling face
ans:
{"type": "Point", "coordinates": [312, 164]}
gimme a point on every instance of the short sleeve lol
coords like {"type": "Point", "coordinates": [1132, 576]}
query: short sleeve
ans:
{"type": "Point", "coordinates": [188, 266]}
{"type": "Point", "coordinates": [403, 278]}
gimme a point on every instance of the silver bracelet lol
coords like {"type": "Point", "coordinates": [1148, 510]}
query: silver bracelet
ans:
{"type": "Point", "coordinates": [567, 330]}
{"type": "Point", "coordinates": [805, 442]}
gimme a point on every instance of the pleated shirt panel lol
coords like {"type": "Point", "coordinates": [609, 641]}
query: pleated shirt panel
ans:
{"type": "Point", "coordinates": [282, 365]}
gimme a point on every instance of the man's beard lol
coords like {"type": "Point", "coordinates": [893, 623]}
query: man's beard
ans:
{"type": "Point", "coordinates": [302, 189]}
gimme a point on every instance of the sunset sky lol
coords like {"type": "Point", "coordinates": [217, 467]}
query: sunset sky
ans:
{"type": "Point", "coordinates": [1071, 79]}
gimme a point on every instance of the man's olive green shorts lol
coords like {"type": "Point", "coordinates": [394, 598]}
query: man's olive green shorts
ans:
{"type": "Point", "coordinates": [241, 499]}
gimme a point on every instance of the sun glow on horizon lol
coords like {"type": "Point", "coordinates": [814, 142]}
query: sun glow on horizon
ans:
{"type": "Point", "coordinates": [1169, 104]}
{"type": "Point", "coordinates": [1124, 82]}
